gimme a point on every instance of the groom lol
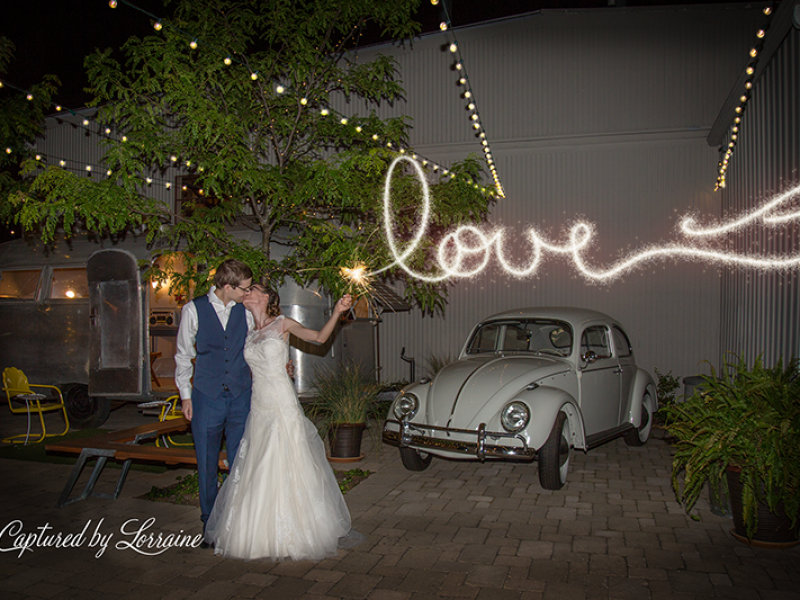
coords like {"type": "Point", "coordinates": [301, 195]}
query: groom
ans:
{"type": "Point", "coordinates": [212, 331]}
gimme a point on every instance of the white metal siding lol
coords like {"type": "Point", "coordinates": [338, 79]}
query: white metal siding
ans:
{"type": "Point", "coordinates": [760, 313]}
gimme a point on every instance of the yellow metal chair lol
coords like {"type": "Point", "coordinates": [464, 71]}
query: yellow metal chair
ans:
{"type": "Point", "coordinates": [170, 411]}
{"type": "Point", "coordinates": [19, 392]}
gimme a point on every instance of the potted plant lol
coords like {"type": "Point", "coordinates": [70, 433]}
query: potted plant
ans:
{"type": "Point", "coordinates": [743, 424]}
{"type": "Point", "coordinates": [344, 401]}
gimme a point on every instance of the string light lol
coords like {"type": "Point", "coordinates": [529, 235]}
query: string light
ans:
{"type": "Point", "coordinates": [738, 110]}
{"type": "Point", "coordinates": [467, 250]}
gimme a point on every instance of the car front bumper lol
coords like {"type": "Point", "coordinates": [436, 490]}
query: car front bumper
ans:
{"type": "Point", "coordinates": [411, 435]}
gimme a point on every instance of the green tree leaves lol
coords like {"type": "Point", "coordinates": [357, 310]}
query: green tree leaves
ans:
{"type": "Point", "coordinates": [255, 135]}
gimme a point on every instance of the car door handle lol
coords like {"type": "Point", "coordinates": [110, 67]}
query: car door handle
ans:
{"type": "Point", "coordinates": [618, 370]}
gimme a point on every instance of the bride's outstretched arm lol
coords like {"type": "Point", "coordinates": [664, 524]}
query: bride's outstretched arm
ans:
{"type": "Point", "coordinates": [321, 336]}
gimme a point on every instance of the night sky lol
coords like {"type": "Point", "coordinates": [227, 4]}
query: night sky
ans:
{"type": "Point", "coordinates": [54, 36]}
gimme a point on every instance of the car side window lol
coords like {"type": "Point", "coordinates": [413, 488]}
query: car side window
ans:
{"type": "Point", "coordinates": [19, 285]}
{"type": "Point", "coordinates": [595, 339]}
{"type": "Point", "coordinates": [485, 339]}
{"type": "Point", "coordinates": [621, 343]}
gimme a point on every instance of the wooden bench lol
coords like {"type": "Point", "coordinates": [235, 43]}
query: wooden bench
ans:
{"type": "Point", "coordinates": [123, 445]}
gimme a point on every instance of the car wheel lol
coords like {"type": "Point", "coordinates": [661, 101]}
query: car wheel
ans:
{"type": "Point", "coordinates": [413, 460]}
{"type": "Point", "coordinates": [640, 435]}
{"type": "Point", "coordinates": [554, 455]}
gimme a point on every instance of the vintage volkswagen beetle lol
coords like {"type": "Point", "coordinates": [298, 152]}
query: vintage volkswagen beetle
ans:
{"type": "Point", "coordinates": [529, 384]}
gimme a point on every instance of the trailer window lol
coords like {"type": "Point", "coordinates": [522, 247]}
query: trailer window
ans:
{"type": "Point", "coordinates": [20, 285]}
{"type": "Point", "coordinates": [69, 284]}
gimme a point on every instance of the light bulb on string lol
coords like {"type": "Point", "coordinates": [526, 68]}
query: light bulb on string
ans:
{"type": "Point", "coordinates": [112, 3]}
{"type": "Point", "coordinates": [157, 25]}
{"type": "Point", "coordinates": [227, 61]}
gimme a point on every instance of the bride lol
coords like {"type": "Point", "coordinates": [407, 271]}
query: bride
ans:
{"type": "Point", "coordinates": [281, 499]}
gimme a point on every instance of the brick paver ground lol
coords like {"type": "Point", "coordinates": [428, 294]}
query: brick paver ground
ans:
{"type": "Point", "coordinates": [459, 530]}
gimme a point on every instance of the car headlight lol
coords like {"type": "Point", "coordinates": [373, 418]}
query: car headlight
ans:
{"type": "Point", "coordinates": [515, 416]}
{"type": "Point", "coordinates": [405, 406]}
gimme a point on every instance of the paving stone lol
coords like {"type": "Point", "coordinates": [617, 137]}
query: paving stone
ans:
{"type": "Point", "coordinates": [535, 549]}
{"type": "Point", "coordinates": [487, 576]}
{"type": "Point", "coordinates": [478, 554]}
{"type": "Point", "coordinates": [388, 595]}
{"type": "Point", "coordinates": [555, 590]}
{"type": "Point", "coordinates": [548, 570]}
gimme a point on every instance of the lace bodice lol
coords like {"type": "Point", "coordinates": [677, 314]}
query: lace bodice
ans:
{"type": "Point", "coordinates": [266, 350]}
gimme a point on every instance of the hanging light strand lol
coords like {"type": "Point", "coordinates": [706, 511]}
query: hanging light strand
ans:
{"type": "Point", "coordinates": [469, 95]}
{"type": "Point", "coordinates": [734, 129]}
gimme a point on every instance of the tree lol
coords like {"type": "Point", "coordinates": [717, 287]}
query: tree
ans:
{"type": "Point", "coordinates": [246, 109]}
{"type": "Point", "coordinates": [21, 121]}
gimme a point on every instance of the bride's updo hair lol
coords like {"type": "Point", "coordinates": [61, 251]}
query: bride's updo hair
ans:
{"type": "Point", "coordinates": [273, 299]}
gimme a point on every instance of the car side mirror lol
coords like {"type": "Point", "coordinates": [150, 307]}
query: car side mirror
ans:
{"type": "Point", "coordinates": [589, 357]}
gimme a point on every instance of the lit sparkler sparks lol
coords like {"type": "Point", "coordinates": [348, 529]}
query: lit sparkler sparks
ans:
{"type": "Point", "coordinates": [466, 251]}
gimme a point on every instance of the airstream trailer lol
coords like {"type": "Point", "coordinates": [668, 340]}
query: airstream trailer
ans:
{"type": "Point", "coordinates": [79, 317]}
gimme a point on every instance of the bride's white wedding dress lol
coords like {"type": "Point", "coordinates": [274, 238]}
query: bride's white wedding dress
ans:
{"type": "Point", "coordinates": [281, 499]}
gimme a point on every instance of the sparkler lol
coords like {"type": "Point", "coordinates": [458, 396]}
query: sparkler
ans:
{"type": "Point", "coordinates": [467, 251]}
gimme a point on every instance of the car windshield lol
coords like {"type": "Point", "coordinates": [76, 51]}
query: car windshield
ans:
{"type": "Point", "coordinates": [538, 336]}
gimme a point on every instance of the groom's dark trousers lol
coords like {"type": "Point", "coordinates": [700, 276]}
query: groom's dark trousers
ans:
{"type": "Point", "coordinates": [220, 394]}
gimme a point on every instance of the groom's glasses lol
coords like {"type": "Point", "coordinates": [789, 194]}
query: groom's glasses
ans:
{"type": "Point", "coordinates": [244, 289]}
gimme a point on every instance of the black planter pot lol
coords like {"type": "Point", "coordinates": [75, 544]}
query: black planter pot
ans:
{"type": "Point", "coordinates": [774, 530]}
{"type": "Point", "coordinates": [345, 441]}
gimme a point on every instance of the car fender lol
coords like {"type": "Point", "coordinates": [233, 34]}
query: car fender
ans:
{"type": "Point", "coordinates": [544, 402]}
{"type": "Point", "coordinates": [643, 383]}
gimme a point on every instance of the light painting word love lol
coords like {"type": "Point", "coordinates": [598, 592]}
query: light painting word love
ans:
{"type": "Point", "coordinates": [467, 250]}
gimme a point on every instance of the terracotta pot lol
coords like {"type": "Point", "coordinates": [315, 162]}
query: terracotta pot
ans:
{"type": "Point", "coordinates": [345, 440]}
{"type": "Point", "coordinates": [774, 530]}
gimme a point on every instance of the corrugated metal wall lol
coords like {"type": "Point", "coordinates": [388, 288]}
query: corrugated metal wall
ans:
{"type": "Point", "coordinates": [599, 115]}
{"type": "Point", "coordinates": [760, 313]}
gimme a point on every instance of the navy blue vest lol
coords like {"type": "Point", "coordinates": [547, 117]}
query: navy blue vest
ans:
{"type": "Point", "coordinates": [220, 364]}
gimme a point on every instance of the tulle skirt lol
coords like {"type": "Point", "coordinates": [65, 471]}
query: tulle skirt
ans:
{"type": "Point", "coordinates": [281, 500]}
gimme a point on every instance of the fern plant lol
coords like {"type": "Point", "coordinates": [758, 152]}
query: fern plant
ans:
{"type": "Point", "coordinates": [747, 418]}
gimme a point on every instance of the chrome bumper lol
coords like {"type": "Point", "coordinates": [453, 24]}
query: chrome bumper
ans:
{"type": "Point", "coordinates": [405, 438]}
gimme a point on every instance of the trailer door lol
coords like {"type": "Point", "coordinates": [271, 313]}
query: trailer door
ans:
{"type": "Point", "coordinates": [115, 318]}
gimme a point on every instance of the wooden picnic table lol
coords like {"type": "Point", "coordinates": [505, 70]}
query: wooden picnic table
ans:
{"type": "Point", "coordinates": [124, 445]}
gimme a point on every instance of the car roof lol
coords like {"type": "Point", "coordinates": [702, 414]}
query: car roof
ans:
{"type": "Point", "coordinates": [564, 313]}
